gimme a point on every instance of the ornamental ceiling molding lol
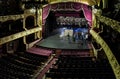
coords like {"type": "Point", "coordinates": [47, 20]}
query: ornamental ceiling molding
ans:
{"type": "Point", "coordinates": [88, 2]}
{"type": "Point", "coordinates": [11, 17]}
{"type": "Point", "coordinates": [66, 6]}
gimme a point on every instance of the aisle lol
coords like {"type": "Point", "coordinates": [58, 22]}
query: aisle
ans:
{"type": "Point", "coordinates": [46, 68]}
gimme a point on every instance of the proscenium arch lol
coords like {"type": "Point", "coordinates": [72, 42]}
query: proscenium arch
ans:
{"type": "Point", "coordinates": [87, 2]}
{"type": "Point", "coordinates": [87, 10]}
{"type": "Point", "coordinates": [55, 6]}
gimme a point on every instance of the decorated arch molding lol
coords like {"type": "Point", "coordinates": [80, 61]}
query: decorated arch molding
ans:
{"type": "Point", "coordinates": [68, 6]}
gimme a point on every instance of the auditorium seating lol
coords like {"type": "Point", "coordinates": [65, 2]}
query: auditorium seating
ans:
{"type": "Point", "coordinates": [81, 53]}
{"type": "Point", "coordinates": [21, 65]}
{"type": "Point", "coordinates": [69, 64]}
{"type": "Point", "coordinates": [77, 67]}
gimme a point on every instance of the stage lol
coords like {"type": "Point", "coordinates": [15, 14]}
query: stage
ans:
{"type": "Point", "coordinates": [56, 42]}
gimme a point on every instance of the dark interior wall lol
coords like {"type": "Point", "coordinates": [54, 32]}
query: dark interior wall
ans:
{"type": "Point", "coordinates": [52, 21]}
{"type": "Point", "coordinates": [11, 27]}
{"type": "Point", "coordinates": [10, 7]}
{"type": "Point", "coordinates": [17, 26]}
{"type": "Point", "coordinates": [50, 24]}
{"type": "Point", "coordinates": [112, 11]}
{"type": "Point", "coordinates": [29, 22]}
{"type": "Point", "coordinates": [30, 38]}
{"type": "Point", "coordinates": [20, 45]}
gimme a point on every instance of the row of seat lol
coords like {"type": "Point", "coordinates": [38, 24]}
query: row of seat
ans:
{"type": "Point", "coordinates": [79, 75]}
{"type": "Point", "coordinates": [76, 52]}
{"type": "Point", "coordinates": [74, 67]}
{"type": "Point", "coordinates": [22, 65]}
{"type": "Point", "coordinates": [25, 59]}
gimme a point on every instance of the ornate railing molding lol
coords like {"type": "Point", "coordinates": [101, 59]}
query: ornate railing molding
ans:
{"type": "Point", "coordinates": [18, 35]}
{"type": "Point", "coordinates": [94, 51]}
{"type": "Point", "coordinates": [11, 17]}
{"type": "Point", "coordinates": [112, 60]}
{"type": "Point", "coordinates": [110, 22]}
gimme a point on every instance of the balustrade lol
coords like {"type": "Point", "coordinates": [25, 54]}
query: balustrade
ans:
{"type": "Point", "coordinates": [113, 62]}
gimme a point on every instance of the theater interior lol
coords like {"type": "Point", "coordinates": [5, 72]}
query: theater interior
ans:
{"type": "Point", "coordinates": [59, 39]}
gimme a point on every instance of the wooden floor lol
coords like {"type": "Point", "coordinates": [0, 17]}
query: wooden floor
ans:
{"type": "Point", "coordinates": [63, 43]}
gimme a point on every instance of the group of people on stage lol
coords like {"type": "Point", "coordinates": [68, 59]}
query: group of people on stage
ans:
{"type": "Point", "coordinates": [75, 36]}
{"type": "Point", "coordinates": [78, 37]}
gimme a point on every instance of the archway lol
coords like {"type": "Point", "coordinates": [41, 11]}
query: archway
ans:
{"type": "Point", "coordinates": [66, 10]}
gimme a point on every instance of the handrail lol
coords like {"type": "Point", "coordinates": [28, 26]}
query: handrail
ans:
{"type": "Point", "coordinates": [19, 35]}
{"type": "Point", "coordinates": [110, 22]}
{"type": "Point", "coordinates": [37, 74]}
{"type": "Point", "coordinates": [95, 50]}
{"type": "Point", "coordinates": [112, 60]}
{"type": "Point", "coordinates": [11, 17]}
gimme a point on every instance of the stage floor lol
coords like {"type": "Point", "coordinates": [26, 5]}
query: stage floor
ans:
{"type": "Point", "coordinates": [56, 42]}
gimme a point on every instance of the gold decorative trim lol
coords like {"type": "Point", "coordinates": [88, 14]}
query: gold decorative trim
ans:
{"type": "Point", "coordinates": [11, 17]}
{"type": "Point", "coordinates": [110, 22]}
{"type": "Point", "coordinates": [94, 51]}
{"type": "Point", "coordinates": [28, 12]}
{"type": "Point", "coordinates": [24, 40]}
{"type": "Point", "coordinates": [112, 60]}
{"type": "Point", "coordinates": [19, 35]}
{"type": "Point", "coordinates": [88, 2]}
{"type": "Point", "coordinates": [38, 34]}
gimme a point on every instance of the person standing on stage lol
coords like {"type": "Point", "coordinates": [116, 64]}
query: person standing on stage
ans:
{"type": "Point", "coordinates": [68, 36]}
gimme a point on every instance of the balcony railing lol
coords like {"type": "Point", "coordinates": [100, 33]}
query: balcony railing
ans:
{"type": "Point", "coordinates": [19, 35]}
{"type": "Point", "coordinates": [110, 22]}
{"type": "Point", "coordinates": [11, 17]}
{"type": "Point", "coordinates": [114, 63]}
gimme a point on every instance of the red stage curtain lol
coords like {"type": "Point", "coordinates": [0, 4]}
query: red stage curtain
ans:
{"type": "Point", "coordinates": [68, 6]}
{"type": "Point", "coordinates": [87, 13]}
{"type": "Point", "coordinates": [45, 13]}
